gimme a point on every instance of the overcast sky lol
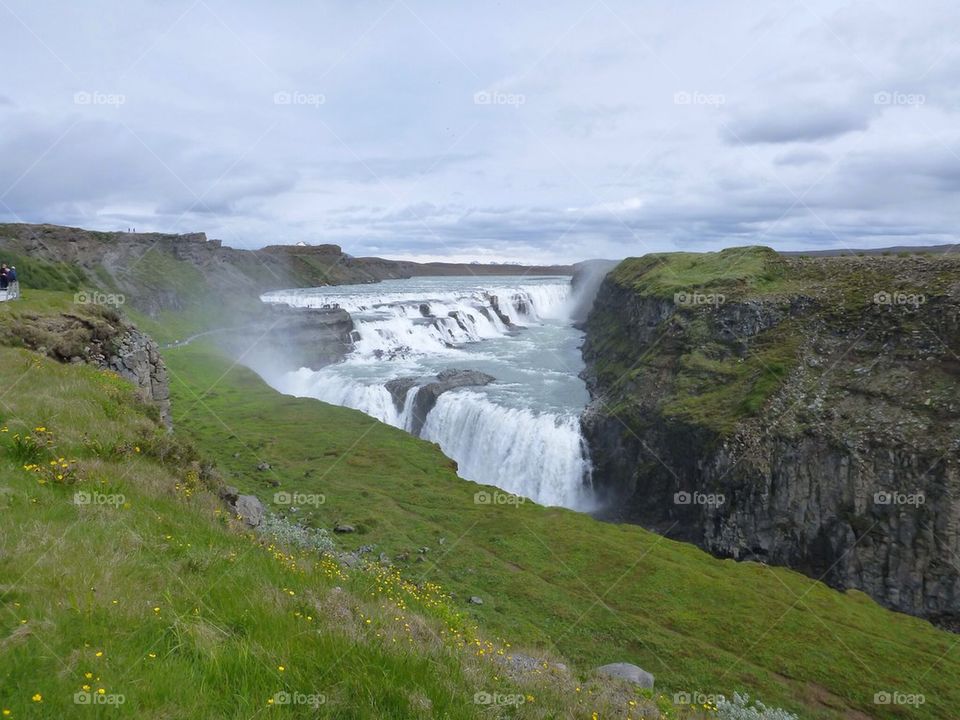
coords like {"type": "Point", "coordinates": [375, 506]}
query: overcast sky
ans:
{"type": "Point", "coordinates": [544, 131]}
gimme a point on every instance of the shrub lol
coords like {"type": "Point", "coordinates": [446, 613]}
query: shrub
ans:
{"type": "Point", "coordinates": [740, 708]}
{"type": "Point", "coordinates": [285, 532]}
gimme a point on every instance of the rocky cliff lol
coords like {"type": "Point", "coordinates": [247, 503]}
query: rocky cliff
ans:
{"type": "Point", "coordinates": [792, 410]}
{"type": "Point", "coordinates": [97, 336]}
{"type": "Point", "coordinates": [286, 338]}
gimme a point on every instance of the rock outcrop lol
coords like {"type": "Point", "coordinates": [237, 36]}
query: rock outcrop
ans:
{"type": "Point", "coordinates": [247, 508]}
{"type": "Point", "coordinates": [288, 338]}
{"type": "Point", "coordinates": [430, 389]}
{"type": "Point", "coordinates": [136, 357]}
{"type": "Point", "coordinates": [796, 411]}
{"type": "Point", "coordinates": [99, 336]}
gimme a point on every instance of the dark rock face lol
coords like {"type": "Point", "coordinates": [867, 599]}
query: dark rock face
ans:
{"type": "Point", "coordinates": [846, 471]}
{"type": "Point", "coordinates": [289, 338]}
{"type": "Point", "coordinates": [495, 304]}
{"type": "Point", "coordinates": [398, 389]}
{"type": "Point", "coordinates": [431, 389]}
{"type": "Point", "coordinates": [137, 358]}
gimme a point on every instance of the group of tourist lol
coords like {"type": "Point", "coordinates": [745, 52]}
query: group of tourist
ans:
{"type": "Point", "coordinates": [9, 286]}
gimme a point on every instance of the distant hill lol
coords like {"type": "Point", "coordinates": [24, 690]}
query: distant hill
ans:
{"type": "Point", "coordinates": [141, 262]}
{"type": "Point", "coordinates": [896, 250]}
{"type": "Point", "coordinates": [201, 281]}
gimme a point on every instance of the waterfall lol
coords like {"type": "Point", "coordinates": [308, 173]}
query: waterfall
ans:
{"type": "Point", "coordinates": [537, 455]}
{"type": "Point", "coordinates": [531, 449]}
{"type": "Point", "coordinates": [540, 456]}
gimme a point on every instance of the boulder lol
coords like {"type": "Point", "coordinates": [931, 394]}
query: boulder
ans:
{"type": "Point", "coordinates": [627, 671]}
{"type": "Point", "coordinates": [250, 509]}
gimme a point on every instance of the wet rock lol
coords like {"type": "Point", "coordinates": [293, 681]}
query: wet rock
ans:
{"type": "Point", "coordinates": [446, 380]}
{"type": "Point", "coordinates": [431, 388]}
{"type": "Point", "coordinates": [398, 389]}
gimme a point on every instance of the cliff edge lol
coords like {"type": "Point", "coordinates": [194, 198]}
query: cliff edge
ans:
{"type": "Point", "coordinates": [799, 411]}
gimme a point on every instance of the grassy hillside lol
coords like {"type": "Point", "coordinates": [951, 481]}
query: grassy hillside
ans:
{"type": "Point", "coordinates": [557, 580]}
{"type": "Point", "coordinates": [128, 590]}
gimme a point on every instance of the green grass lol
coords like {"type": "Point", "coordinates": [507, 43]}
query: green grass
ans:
{"type": "Point", "coordinates": [718, 392]}
{"type": "Point", "coordinates": [161, 598]}
{"type": "Point", "coordinates": [37, 301]}
{"type": "Point", "coordinates": [44, 275]}
{"type": "Point", "coordinates": [733, 270]}
{"type": "Point", "coordinates": [557, 580]}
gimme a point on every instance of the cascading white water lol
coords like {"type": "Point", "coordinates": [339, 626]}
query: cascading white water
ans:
{"type": "Point", "coordinates": [539, 456]}
{"type": "Point", "coordinates": [520, 433]}
{"type": "Point", "coordinates": [391, 322]}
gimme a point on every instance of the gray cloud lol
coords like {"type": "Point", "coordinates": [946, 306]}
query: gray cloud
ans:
{"type": "Point", "coordinates": [796, 124]}
{"type": "Point", "coordinates": [607, 131]}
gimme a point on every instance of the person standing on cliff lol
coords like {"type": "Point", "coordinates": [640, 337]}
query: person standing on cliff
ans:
{"type": "Point", "coordinates": [13, 285]}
